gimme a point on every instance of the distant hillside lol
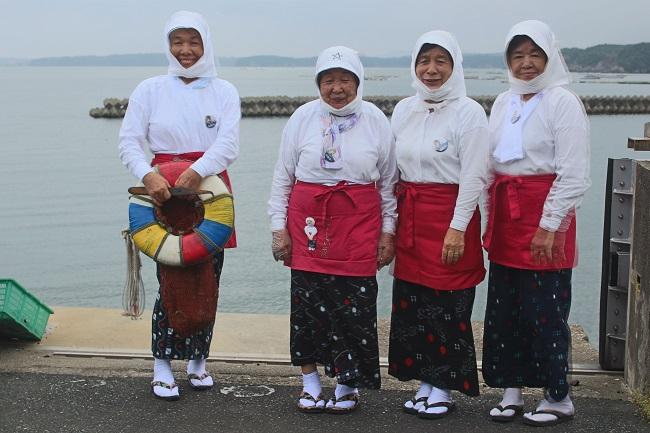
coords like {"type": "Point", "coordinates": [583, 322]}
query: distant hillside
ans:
{"type": "Point", "coordinates": [609, 58]}
{"type": "Point", "coordinates": [600, 58]}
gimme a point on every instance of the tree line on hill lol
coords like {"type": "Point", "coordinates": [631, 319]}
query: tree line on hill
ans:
{"type": "Point", "coordinates": [602, 58]}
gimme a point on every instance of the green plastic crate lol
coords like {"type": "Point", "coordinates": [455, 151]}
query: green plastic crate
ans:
{"type": "Point", "coordinates": [21, 314]}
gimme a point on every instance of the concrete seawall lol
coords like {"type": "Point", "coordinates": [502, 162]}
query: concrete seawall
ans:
{"type": "Point", "coordinates": [284, 106]}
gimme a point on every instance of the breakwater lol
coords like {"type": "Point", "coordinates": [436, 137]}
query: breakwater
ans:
{"type": "Point", "coordinates": [284, 106]}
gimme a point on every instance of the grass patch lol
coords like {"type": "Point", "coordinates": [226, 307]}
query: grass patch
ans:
{"type": "Point", "coordinates": [643, 401]}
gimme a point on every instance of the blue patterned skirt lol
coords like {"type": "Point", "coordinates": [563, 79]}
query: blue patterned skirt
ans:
{"type": "Point", "coordinates": [527, 339]}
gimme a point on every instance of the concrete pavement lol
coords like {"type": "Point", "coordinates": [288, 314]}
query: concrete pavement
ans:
{"type": "Point", "coordinates": [91, 373]}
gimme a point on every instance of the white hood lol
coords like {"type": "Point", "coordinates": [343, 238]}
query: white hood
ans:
{"type": "Point", "coordinates": [454, 87]}
{"type": "Point", "coordinates": [205, 66]}
{"type": "Point", "coordinates": [556, 72]}
{"type": "Point", "coordinates": [344, 58]}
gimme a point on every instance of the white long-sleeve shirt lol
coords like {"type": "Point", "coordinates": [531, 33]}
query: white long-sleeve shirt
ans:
{"type": "Point", "coordinates": [169, 116]}
{"type": "Point", "coordinates": [444, 143]}
{"type": "Point", "coordinates": [368, 156]}
{"type": "Point", "coordinates": [555, 140]}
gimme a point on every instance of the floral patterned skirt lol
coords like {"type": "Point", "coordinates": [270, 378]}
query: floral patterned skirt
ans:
{"type": "Point", "coordinates": [431, 337]}
{"type": "Point", "coordinates": [334, 323]}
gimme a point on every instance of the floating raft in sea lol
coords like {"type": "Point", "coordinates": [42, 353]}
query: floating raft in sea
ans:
{"type": "Point", "coordinates": [284, 106]}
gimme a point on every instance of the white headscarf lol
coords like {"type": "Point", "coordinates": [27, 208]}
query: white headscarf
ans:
{"type": "Point", "coordinates": [556, 72]}
{"type": "Point", "coordinates": [204, 67]}
{"type": "Point", "coordinates": [344, 58]}
{"type": "Point", "coordinates": [454, 87]}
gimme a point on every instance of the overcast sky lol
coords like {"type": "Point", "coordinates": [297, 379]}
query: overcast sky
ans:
{"type": "Point", "coordinates": [52, 28]}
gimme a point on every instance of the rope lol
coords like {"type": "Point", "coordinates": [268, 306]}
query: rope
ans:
{"type": "Point", "coordinates": [133, 296]}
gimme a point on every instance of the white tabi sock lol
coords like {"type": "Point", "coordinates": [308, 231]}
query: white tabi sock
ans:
{"type": "Point", "coordinates": [564, 406]}
{"type": "Point", "coordinates": [339, 392]}
{"type": "Point", "coordinates": [162, 372]}
{"type": "Point", "coordinates": [311, 385]}
{"type": "Point", "coordinates": [511, 396]}
{"type": "Point", "coordinates": [197, 366]}
{"type": "Point", "coordinates": [438, 395]}
{"type": "Point", "coordinates": [423, 391]}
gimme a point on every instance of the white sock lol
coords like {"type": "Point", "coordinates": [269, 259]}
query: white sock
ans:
{"type": "Point", "coordinates": [197, 366]}
{"type": "Point", "coordinates": [437, 395]}
{"type": "Point", "coordinates": [564, 406]}
{"type": "Point", "coordinates": [511, 396]}
{"type": "Point", "coordinates": [339, 392]}
{"type": "Point", "coordinates": [162, 372]}
{"type": "Point", "coordinates": [311, 384]}
{"type": "Point", "coordinates": [423, 391]}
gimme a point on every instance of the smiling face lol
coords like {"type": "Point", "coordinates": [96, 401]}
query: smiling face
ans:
{"type": "Point", "coordinates": [186, 45]}
{"type": "Point", "coordinates": [433, 66]}
{"type": "Point", "coordinates": [526, 59]}
{"type": "Point", "coordinates": [338, 87]}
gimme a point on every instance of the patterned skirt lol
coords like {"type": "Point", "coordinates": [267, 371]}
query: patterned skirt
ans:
{"type": "Point", "coordinates": [527, 339]}
{"type": "Point", "coordinates": [167, 344]}
{"type": "Point", "coordinates": [334, 323]}
{"type": "Point", "coordinates": [431, 337]}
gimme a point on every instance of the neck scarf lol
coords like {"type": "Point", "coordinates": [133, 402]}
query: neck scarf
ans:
{"type": "Point", "coordinates": [335, 121]}
{"type": "Point", "coordinates": [555, 73]}
{"type": "Point", "coordinates": [332, 126]}
{"type": "Point", "coordinates": [454, 87]}
{"type": "Point", "coordinates": [205, 66]}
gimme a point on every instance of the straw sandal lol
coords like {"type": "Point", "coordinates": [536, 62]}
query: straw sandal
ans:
{"type": "Point", "coordinates": [317, 407]}
{"type": "Point", "coordinates": [199, 387]}
{"type": "Point", "coordinates": [507, 418]}
{"type": "Point", "coordinates": [168, 386]}
{"type": "Point", "coordinates": [332, 408]}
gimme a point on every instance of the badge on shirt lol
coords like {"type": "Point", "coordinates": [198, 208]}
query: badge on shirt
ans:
{"type": "Point", "coordinates": [210, 121]}
{"type": "Point", "coordinates": [440, 145]}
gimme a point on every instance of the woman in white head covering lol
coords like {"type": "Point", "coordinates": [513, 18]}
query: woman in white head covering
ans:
{"type": "Point", "coordinates": [539, 149]}
{"type": "Point", "coordinates": [332, 213]}
{"type": "Point", "coordinates": [441, 147]}
{"type": "Point", "coordinates": [187, 115]}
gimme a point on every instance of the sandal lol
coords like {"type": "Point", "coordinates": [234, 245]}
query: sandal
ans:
{"type": "Point", "coordinates": [413, 410]}
{"type": "Point", "coordinates": [450, 405]}
{"type": "Point", "coordinates": [559, 417]}
{"type": "Point", "coordinates": [317, 407]}
{"type": "Point", "coordinates": [506, 418]}
{"type": "Point", "coordinates": [168, 386]}
{"type": "Point", "coordinates": [201, 378]}
{"type": "Point", "coordinates": [332, 408]}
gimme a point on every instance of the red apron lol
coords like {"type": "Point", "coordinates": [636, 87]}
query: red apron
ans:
{"type": "Point", "coordinates": [348, 223]}
{"type": "Point", "coordinates": [160, 158]}
{"type": "Point", "coordinates": [516, 207]}
{"type": "Point", "coordinates": [425, 212]}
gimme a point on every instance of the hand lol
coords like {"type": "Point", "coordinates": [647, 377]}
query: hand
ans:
{"type": "Point", "coordinates": [541, 247]}
{"type": "Point", "coordinates": [385, 249]}
{"type": "Point", "coordinates": [453, 247]}
{"type": "Point", "coordinates": [189, 179]}
{"type": "Point", "coordinates": [559, 255]}
{"type": "Point", "coordinates": [281, 245]}
{"type": "Point", "coordinates": [157, 187]}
